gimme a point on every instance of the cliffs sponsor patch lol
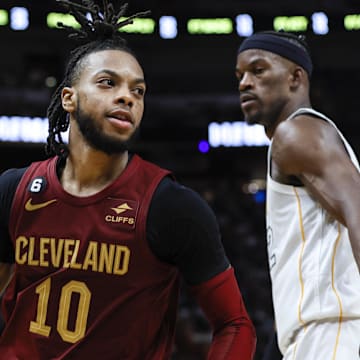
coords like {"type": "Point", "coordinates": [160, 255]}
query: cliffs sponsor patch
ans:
{"type": "Point", "coordinates": [123, 212]}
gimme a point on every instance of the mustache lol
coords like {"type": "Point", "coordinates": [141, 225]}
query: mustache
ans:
{"type": "Point", "coordinates": [248, 95]}
{"type": "Point", "coordinates": [93, 135]}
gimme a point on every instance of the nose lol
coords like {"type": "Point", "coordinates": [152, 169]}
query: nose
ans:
{"type": "Point", "coordinates": [124, 96]}
{"type": "Point", "coordinates": [246, 82]}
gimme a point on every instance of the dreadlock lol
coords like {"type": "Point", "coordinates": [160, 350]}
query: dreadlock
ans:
{"type": "Point", "coordinates": [101, 32]}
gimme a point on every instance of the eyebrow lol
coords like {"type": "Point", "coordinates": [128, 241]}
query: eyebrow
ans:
{"type": "Point", "coordinates": [115, 74]}
{"type": "Point", "coordinates": [253, 62]}
{"type": "Point", "coordinates": [257, 60]}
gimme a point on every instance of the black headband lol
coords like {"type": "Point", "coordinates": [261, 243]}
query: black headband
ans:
{"type": "Point", "coordinates": [280, 46]}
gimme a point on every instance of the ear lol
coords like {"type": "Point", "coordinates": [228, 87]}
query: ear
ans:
{"type": "Point", "coordinates": [68, 99]}
{"type": "Point", "coordinates": [297, 77]}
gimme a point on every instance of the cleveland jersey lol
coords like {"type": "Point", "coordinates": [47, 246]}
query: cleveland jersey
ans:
{"type": "Point", "coordinates": [313, 271]}
{"type": "Point", "coordinates": [86, 285]}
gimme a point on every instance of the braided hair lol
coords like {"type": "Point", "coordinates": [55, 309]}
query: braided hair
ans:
{"type": "Point", "coordinates": [98, 33]}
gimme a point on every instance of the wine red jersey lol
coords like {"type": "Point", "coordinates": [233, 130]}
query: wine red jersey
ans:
{"type": "Point", "coordinates": [86, 285]}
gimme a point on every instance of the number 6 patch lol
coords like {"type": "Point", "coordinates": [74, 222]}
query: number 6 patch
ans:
{"type": "Point", "coordinates": [36, 185]}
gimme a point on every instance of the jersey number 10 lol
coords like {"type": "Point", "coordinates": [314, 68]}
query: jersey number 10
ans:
{"type": "Point", "coordinates": [39, 325]}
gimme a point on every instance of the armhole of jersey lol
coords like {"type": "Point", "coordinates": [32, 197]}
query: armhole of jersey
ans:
{"type": "Point", "coordinates": [10, 185]}
{"type": "Point", "coordinates": [316, 114]}
{"type": "Point", "coordinates": [319, 115]}
{"type": "Point", "coordinates": [14, 181]}
{"type": "Point", "coordinates": [15, 200]}
{"type": "Point", "coordinates": [149, 195]}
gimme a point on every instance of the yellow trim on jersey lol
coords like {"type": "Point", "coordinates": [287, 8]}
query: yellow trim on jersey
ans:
{"type": "Point", "coordinates": [303, 240]}
{"type": "Point", "coordinates": [335, 291]}
{"type": "Point", "coordinates": [294, 353]}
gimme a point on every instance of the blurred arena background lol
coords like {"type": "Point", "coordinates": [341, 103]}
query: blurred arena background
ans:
{"type": "Point", "coordinates": [193, 123]}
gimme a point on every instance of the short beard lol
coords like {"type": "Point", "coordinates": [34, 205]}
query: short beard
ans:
{"type": "Point", "coordinates": [95, 137]}
{"type": "Point", "coordinates": [267, 118]}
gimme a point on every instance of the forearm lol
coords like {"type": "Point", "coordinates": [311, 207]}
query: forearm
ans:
{"type": "Point", "coordinates": [233, 332]}
{"type": "Point", "coordinates": [236, 341]}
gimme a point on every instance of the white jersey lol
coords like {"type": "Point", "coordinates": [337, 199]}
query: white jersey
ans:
{"type": "Point", "coordinates": [313, 271]}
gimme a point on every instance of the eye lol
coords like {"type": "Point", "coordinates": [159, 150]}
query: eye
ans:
{"type": "Point", "coordinates": [140, 91]}
{"type": "Point", "coordinates": [106, 81]}
{"type": "Point", "coordinates": [258, 70]}
{"type": "Point", "coordinates": [239, 75]}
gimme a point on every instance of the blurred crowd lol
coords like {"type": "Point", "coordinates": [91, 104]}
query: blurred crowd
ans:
{"type": "Point", "coordinates": [242, 224]}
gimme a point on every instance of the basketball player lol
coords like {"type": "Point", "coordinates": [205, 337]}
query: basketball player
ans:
{"type": "Point", "coordinates": [313, 202]}
{"type": "Point", "coordinates": [99, 237]}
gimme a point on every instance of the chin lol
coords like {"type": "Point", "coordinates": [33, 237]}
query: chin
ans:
{"type": "Point", "coordinates": [254, 117]}
{"type": "Point", "coordinates": [250, 120]}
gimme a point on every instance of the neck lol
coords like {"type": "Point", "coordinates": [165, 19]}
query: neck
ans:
{"type": "Point", "coordinates": [88, 171]}
{"type": "Point", "coordinates": [285, 113]}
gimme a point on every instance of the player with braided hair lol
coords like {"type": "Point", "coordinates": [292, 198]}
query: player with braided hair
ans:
{"type": "Point", "coordinates": [313, 202]}
{"type": "Point", "coordinates": [100, 33]}
{"type": "Point", "coordinates": [95, 240]}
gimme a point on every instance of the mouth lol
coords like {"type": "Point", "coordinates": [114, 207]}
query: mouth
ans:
{"type": "Point", "coordinates": [246, 99]}
{"type": "Point", "coordinates": [120, 118]}
{"type": "Point", "coordinates": [121, 115]}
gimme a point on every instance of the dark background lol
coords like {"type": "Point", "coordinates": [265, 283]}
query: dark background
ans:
{"type": "Point", "coordinates": [191, 83]}
{"type": "Point", "coordinates": [190, 79]}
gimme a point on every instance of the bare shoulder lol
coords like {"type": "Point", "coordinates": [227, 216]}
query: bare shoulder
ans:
{"type": "Point", "coordinates": [304, 142]}
{"type": "Point", "coordinates": [304, 130]}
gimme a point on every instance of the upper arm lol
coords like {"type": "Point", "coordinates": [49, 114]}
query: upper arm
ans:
{"type": "Point", "coordinates": [183, 230]}
{"type": "Point", "coordinates": [312, 150]}
{"type": "Point", "coordinates": [9, 181]}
